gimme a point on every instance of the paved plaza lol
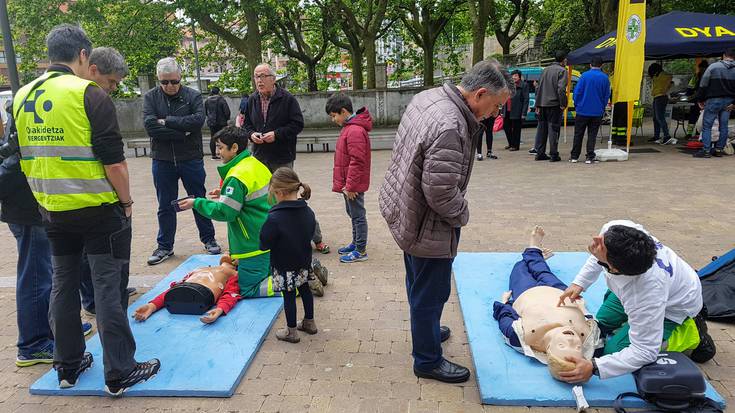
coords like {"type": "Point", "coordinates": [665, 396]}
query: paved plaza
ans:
{"type": "Point", "coordinates": [360, 360]}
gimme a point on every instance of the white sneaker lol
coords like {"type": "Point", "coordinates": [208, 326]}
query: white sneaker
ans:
{"type": "Point", "coordinates": [659, 141]}
{"type": "Point", "coordinates": [671, 141]}
{"type": "Point", "coordinates": [479, 157]}
{"type": "Point", "coordinates": [574, 160]}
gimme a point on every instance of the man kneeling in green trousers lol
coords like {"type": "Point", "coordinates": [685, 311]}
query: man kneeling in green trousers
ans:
{"type": "Point", "coordinates": [653, 303]}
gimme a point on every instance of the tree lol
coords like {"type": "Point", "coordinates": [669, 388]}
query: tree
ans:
{"type": "Point", "coordinates": [142, 30]}
{"type": "Point", "coordinates": [424, 21]}
{"type": "Point", "coordinates": [366, 19]}
{"type": "Point", "coordinates": [508, 19]}
{"type": "Point", "coordinates": [301, 34]}
{"type": "Point", "coordinates": [479, 13]}
{"type": "Point", "coordinates": [237, 23]}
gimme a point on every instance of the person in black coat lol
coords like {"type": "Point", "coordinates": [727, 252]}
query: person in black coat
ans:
{"type": "Point", "coordinates": [514, 112]}
{"type": "Point", "coordinates": [273, 120]}
{"type": "Point", "coordinates": [287, 234]}
{"type": "Point", "coordinates": [218, 115]}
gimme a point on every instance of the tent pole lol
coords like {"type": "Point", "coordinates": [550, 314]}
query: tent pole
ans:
{"type": "Point", "coordinates": [609, 136]}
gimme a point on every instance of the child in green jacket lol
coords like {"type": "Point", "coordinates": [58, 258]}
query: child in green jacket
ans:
{"type": "Point", "coordinates": [242, 202]}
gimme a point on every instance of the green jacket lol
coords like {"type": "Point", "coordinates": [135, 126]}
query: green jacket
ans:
{"type": "Point", "coordinates": [243, 203]}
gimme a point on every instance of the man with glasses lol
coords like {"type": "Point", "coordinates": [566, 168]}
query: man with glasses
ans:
{"type": "Point", "coordinates": [273, 120]}
{"type": "Point", "coordinates": [173, 116]}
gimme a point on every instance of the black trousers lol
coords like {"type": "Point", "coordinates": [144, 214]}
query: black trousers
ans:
{"type": "Point", "coordinates": [212, 145]}
{"type": "Point", "coordinates": [592, 125]}
{"type": "Point", "coordinates": [549, 125]}
{"type": "Point", "coordinates": [512, 129]}
{"type": "Point", "coordinates": [289, 304]}
{"type": "Point", "coordinates": [105, 234]}
{"type": "Point", "coordinates": [488, 123]}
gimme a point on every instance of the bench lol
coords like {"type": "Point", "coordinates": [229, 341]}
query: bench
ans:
{"type": "Point", "coordinates": [326, 140]}
{"type": "Point", "coordinates": [136, 144]}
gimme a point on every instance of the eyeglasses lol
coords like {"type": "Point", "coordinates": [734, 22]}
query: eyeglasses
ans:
{"type": "Point", "coordinates": [173, 82]}
{"type": "Point", "coordinates": [261, 77]}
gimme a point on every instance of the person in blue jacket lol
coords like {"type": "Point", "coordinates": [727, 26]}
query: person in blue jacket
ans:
{"type": "Point", "coordinates": [590, 98]}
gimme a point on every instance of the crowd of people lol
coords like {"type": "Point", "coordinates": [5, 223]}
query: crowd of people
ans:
{"type": "Point", "coordinates": [70, 206]}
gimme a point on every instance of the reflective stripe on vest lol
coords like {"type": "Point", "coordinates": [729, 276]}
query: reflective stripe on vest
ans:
{"type": "Point", "coordinates": [65, 186]}
{"type": "Point", "coordinates": [55, 140]}
{"type": "Point", "coordinates": [230, 202]}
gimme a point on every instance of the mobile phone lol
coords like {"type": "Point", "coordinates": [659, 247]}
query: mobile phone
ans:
{"type": "Point", "coordinates": [175, 203]}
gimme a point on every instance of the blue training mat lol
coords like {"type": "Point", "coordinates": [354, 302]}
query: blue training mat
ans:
{"type": "Point", "coordinates": [196, 359]}
{"type": "Point", "coordinates": [505, 376]}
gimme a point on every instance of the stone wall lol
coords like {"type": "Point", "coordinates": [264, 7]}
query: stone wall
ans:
{"type": "Point", "coordinates": [386, 106]}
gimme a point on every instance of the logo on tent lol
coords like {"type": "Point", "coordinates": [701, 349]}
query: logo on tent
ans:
{"type": "Point", "coordinates": [633, 28]}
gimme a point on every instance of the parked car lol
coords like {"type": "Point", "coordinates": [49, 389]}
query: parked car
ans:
{"type": "Point", "coordinates": [531, 75]}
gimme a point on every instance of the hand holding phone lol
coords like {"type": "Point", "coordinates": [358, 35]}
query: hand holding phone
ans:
{"type": "Point", "coordinates": [183, 204]}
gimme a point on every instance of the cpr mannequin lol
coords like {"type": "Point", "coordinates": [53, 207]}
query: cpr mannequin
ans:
{"type": "Point", "coordinates": [530, 319]}
{"type": "Point", "coordinates": [197, 292]}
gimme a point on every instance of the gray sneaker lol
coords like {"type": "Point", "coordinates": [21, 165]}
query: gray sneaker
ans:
{"type": "Point", "coordinates": [212, 247]}
{"type": "Point", "coordinates": [159, 255]}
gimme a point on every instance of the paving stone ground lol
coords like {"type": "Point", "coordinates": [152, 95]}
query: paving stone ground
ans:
{"type": "Point", "coordinates": [360, 361]}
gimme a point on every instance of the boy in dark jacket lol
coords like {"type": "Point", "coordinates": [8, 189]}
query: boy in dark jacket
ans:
{"type": "Point", "coordinates": [351, 173]}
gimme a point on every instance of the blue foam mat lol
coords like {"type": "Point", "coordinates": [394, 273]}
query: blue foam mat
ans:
{"type": "Point", "coordinates": [196, 359]}
{"type": "Point", "coordinates": [505, 376]}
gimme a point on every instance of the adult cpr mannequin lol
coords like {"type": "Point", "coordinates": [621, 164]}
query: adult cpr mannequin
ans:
{"type": "Point", "coordinates": [530, 319]}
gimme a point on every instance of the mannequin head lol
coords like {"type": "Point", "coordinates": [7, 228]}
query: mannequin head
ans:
{"type": "Point", "coordinates": [563, 342]}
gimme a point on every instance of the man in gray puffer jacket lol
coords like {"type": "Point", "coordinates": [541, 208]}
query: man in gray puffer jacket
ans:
{"type": "Point", "coordinates": [422, 199]}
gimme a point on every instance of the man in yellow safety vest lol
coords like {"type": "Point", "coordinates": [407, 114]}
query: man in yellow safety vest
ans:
{"type": "Point", "coordinates": [72, 155]}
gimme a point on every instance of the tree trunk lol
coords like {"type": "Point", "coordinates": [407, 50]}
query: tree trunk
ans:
{"type": "Point", "coordinates": [370, 57]}
{"type": "Point", "coordinates": [428, 63]}
{"type": "Point", "coordinates": [357, 77]}
{"type": "Point", "coordinates": [311, 71]}
{"type": "Point", "coordinates": [610, 8]}
{"type": "Point", "coordinates": [253, 40]}
{"type": "Point", "coordinates": [478, 43]}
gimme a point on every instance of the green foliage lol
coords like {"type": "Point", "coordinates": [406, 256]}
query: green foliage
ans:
{"type": "Point", "coordinates": [142, 30]}
{"type": "Point", "coordinates": [568, 29]}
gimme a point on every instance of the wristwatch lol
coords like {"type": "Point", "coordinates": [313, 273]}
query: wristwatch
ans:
{"type": "Point", "coordinates": [595, 370]}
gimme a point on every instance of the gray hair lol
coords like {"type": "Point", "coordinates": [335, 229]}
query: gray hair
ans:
{"type": "Point", "coordinates": [65, 41]}
{"type": "Point", "coordinates": [108, 61]}
{"type": "Point", "coordinates": [488, 74]}
{"type": "Point", "coordinates": [167, 65]}
{"type": "Point", "coordinates": [270, 69]}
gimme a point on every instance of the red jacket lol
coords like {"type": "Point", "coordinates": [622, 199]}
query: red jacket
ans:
{"type": "Point", "coordinates": [230, 296]}
{"type": "Point", "coordinates": [352, 155]}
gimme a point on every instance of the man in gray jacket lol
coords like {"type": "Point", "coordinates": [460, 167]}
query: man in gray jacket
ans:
{"type": "Point", "coordinates": [422, 199]}
{"type": "Point", "coordinates": [551, 100]}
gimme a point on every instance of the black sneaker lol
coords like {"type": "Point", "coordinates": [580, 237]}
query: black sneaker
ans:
{"type": "Point", "coordinates": [159, 255]}
{"type": "Point", "coordinates": [706, 350]}
{"type": "Point", "coordinates": [532, 151]}
{"type": "Point", "coordinates": [717, 153]}
{"type": "Point", "coordinates": [68, 377]}
{"type": "Point", "coordinates": [542, 157]}
{"type": "Point", "coordinates": [213, 248]}
{"type": "Point", "coordinates": [142, 372]}
{"type": "Point", "coordinates": [702, 154]}
{"type": "Point", "coordinates": [555, 159]}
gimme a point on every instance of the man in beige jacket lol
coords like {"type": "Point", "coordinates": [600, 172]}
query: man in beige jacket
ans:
{"type": "Point", "coordinates": [422, 199]}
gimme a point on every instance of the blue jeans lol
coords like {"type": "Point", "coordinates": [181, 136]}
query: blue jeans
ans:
{"type": "Point", "coordinates": [356, 212]}
{"type": "Point", "coordinates": [33, 288]}
{"type": "Point", "coordinates": [166, 177]}
{"type": "Point", "coordinates": [659, 117]}
{"type": "Point", "coordinates": [714, 108]}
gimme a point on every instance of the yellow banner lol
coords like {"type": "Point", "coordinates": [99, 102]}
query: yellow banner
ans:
{"type": "Point", "coordinates": [630, 50]}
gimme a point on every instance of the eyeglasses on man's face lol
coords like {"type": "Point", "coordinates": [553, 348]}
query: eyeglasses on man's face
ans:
{"type": "Point", "coordinates": [263, 77]}
{"type": "Point", "coordinates": [173, 82]}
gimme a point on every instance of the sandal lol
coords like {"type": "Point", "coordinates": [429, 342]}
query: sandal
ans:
{"type": "Point", "coordinates": [322, 247]}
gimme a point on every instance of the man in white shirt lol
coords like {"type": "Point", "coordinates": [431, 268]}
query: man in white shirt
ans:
{"type": "Point", "coordinates": [653, 299]}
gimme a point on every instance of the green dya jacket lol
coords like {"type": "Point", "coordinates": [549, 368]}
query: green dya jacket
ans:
{"type": "Point", "coordinates": [243, 203]}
